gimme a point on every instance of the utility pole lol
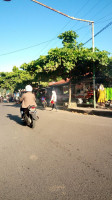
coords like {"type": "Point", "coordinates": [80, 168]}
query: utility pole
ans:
{"type": "Point", "coordinates": [61, 12]}
{"type": "Point", "coordinates": [94, 93]}
{"type": "Point", "coordinates": [73, 18]}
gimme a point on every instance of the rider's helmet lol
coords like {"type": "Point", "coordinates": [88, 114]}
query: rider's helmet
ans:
{"type": "Point", "coordinates": [28, 88]}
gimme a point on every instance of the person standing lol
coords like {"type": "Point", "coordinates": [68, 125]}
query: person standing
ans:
{"type": "Point", "coordinates": [54, 100]}
{"type": "Point", "coordinates": [102, 95]}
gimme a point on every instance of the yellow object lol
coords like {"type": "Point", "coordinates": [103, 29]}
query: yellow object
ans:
{"type": "Point", "coordinates": [102, 95]}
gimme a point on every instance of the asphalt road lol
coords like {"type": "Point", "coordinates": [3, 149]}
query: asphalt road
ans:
{"type": "Point", "coordinates": [68, 156]}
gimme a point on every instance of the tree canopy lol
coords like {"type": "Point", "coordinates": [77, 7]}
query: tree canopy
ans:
{"type": "Point", "coordinates": [71, 61]}
{"type": "Point", "coordinates": [15, 80]}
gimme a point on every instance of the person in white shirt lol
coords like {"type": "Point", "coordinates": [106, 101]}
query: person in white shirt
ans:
{"type": "Point", "coordinates": [54, 100]}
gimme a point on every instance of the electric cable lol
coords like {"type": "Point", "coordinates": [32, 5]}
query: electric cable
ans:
{"type": "Point", "coordinates": [88, 31]}
{"type": "Point", "coordinates": [54, 38]}
{"type": "Point", "coordinates": [69, 22]}
{"type": "Point", "coordinates": [103, 17]}
{"type": "Point", "coordinates": [73, 18]}
{"type": "Point", "coordinates": [98, 12]}
{"type": "Point", "coordinates": [25, 48]}
{"type": "Point", "coordinates": [91, 9]}
{"type": "Point", "coordinates": [97, 23]}
{"type": "Point", "coordinates": [103, 8]}
{"type": "Point", "coordinates": [82, 7]}
{"type": "Point", "coordinates": [99, 32]}
{"type": "Point", "coordinates": [79, 11]}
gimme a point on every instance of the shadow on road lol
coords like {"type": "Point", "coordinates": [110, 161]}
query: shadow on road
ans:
{"type": "Point", "coordinates": [39, 107]}
{"type": "Point", "coordinates": [11, 104]}
{"type": "Point", "coordinates": [15, 118]}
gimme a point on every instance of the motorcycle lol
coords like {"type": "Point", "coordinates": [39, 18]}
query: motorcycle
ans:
{"type": "Point", "coordinates": [44, 102]}
{"type": "Point", "coordinates": [30, 117]}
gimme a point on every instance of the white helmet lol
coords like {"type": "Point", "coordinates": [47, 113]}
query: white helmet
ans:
{"type": "Point", "coordinates": [28, 88]}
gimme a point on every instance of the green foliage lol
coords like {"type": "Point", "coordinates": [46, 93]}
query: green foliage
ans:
{"type": "Point", "coordinates": [109, 69]}
{"type": "Point", "coordinates": [15, 80]}
{"type": "Point", "coordinates": [15, 69]}
{"type": "Point", "coordinates": [71, 61]}
{"type": "Point", "coordinates": [69, 39]}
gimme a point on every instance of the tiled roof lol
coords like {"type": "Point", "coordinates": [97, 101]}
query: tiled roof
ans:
{"type": "Point", "coordinates": [59, 82]}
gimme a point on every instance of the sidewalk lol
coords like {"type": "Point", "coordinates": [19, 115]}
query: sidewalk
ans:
{"type": "Point", "coordinates": [91, 111]}
{"type": "Point", "coordinates": [106, 112]}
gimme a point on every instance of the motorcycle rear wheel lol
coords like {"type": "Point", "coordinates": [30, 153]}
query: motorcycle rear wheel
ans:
{"type": "Point", "coordinates": [33, 123]}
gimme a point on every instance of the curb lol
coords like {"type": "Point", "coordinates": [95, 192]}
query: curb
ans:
{"type": "Point", "coordinates": [104, 113]}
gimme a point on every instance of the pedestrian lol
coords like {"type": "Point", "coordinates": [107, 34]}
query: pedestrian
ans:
{"type": "Point", "coordinates": [54, 100]}
{"type": "Point", "coordinates": [102, 95]}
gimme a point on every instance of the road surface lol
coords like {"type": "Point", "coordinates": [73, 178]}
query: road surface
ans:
{"type": "Point", "coordinates": [67, 156]}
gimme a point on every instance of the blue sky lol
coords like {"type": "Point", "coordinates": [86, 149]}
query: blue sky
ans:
{"type": "Point", "coordinates": [28, 30]}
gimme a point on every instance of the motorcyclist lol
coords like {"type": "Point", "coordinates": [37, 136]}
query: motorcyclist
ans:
{"type": "Point", "coordinates": [43, 100]}
{"type": "Point", "coordinates": [27, 99]}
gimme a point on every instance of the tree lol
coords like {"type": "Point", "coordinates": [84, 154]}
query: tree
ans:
{"type": "Point", "coordinates": [72, 61]}
{"type": "Point", "coordinates": [17, 79]}
{"type": "Point", "coordinates": [69, 39]}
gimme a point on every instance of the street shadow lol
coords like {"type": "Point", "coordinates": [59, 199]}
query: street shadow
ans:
{"type": "Point", "coordinates": [49, 108]}
{"type": "Point", "coordinates": [11, 105]}
{"type": "Point", "coordinates": [40, 107]}
{"type": "Point", "coordinates": [15, 118]}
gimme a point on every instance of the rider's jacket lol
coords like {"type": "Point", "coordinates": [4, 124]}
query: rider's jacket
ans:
{"type": "Point", "coordinates": [28, 99]}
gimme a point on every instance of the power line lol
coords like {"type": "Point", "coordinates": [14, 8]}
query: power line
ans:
{"type": "Point", "coordinates": [4, 54]}
{"type": "Point", "coordinates": [73, 18]}
{"type": "Point", "coordinates": [99, 32]}
{"type": "Point", "coordinates": [82, 7]}
{"type": "Point", "coordinates": [77, 13]}
{"type": "Point", "coordinates": [109, 14]}
{"type": "Point", "coordinates": [108, 4]}
{"type": "Point", "coordinates": [18, 50]}
{"type": "Point", "coordinates": [88, 31]}
{"type": "Point", "coordinates": [43, 49]}
{"type": "Point", "coordinates": [96, 22]}
{"type": "Point", "coordinates": [104, 28]}
{"type": "Point", "coordinates": [62, 14]}
{"type": "Point", "coordinates": [103, 21]}
{"type": "Point", "coordinates": [65, 25]}
{"type": "Point", "coordinates": [51, 39]}
{"type": "Point", "coordinates": [91, 9]}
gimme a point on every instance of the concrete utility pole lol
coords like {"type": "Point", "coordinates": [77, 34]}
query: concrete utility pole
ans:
{"type": "Point", "coordinates": [94, 94]}
{"type": "Point", "coordinates": [73, 18]}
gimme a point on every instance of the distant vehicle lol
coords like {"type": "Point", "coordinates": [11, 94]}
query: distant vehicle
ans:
{"type": "Point", "coordinates": [44, 102]}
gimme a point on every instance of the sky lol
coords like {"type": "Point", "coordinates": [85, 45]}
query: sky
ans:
{"type": "Point", "coordinates": [28, 30]}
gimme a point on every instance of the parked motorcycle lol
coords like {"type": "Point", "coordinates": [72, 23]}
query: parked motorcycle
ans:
{"type": "Point", "coordinates": [30, 116]}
